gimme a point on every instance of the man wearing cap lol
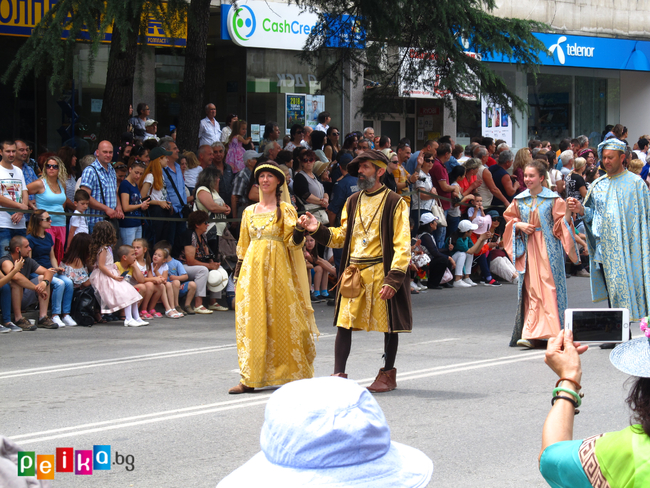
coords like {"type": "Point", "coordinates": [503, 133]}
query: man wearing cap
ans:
{"type": "Point", "coordinates": [150, 129]}
{"type": "Point", "coordinates": [616, 212]}
{"type": "Point", "coordinates": [239, 199]}
{"type": "Point", "coordinates": [376, 239]}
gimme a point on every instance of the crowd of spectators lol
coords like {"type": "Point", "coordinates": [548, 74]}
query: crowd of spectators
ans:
{"type": "Point", "coordinates": [165, 222]}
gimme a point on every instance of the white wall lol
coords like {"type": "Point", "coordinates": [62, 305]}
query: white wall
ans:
{"type": "Point", "coordinates": [635, 92]}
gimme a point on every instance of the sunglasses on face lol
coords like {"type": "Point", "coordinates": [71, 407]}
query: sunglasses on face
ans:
{"type": "Point", "coordinates": [52, 166]}
{"type": "Point", "coordinates": [428, 160]}
{"type": "Point", "coordinates": [308, 160]}
{"type": "Point", "coordinates": [49, 219]}
{"type": "Point", "coordinates": [336, 134]}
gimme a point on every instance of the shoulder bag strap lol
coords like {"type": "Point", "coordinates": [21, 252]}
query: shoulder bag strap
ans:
{"type": "Point", "coordinates": [99, 182]}
{"type": "Point", "coordinates": [180, 200]}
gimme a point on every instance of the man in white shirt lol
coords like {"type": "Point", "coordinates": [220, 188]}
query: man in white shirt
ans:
{"type": "Point", "coordinates": [210, 130]}
{"type": "Point", "coordinates": [13, 194]}
{"type": "Point", "coordinates": [323, 122]}
{"type": "Point", "coordinates": [151, 127]}
{"type": "Point", "coordinates": [567, 162]}
{"type": "Point", "coordinates": [642, 152]}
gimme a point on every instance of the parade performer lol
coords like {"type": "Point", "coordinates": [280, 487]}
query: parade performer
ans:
{"type": "Point", "coordinates": [616, 212]}
{"type": "Point", "coordinates": [538, 231]}
{"type": "Point", "coordinates": [274, 318]}
{"type": "Point", "coordinates": [376, 241]}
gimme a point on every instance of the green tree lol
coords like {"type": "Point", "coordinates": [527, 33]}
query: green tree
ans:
{"type": "Point", "coordinates": [420, 44]}
{"type": "Point", "coordinates": [49, 51]}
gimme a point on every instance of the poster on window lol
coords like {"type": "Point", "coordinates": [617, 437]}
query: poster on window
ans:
{"type": "Point", "coordinates": [495, 122]}
{"type": "Point", "coordinates": [315, 104]}
{"type": "Point", "coordinates": [295, 113]}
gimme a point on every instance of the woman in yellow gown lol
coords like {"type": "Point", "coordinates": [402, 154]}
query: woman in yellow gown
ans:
{"type": "Point", "coordinates": [274, 318]}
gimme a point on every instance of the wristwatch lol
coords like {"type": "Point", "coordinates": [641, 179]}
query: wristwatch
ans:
{"type": "Point", "coordinates": [47, 282]}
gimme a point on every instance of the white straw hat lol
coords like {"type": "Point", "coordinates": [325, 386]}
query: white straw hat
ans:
{"type": "Point", "coordinates": [329, 432]}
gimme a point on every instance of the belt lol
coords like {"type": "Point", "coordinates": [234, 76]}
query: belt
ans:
{"type": "Point", "coordinates": [268, 238]}
{"type": "Point", "coordinates": [364, 263]}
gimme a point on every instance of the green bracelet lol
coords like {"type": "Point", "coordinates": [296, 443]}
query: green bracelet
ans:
{"type": "Point", "coordinates": [566, 390]}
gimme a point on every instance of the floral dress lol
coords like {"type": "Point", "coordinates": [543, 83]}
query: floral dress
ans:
{"type": "Point", "coordinates": [235, 156]}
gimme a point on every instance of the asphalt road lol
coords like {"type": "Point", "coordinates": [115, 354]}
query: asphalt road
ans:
{"type": "Point", "coordinates": [159, 394]}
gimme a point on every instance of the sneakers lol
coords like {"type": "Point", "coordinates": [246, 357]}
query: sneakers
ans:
{"type": "Point", "coordinates": [469, 282]}
{"type": "Point", "coordinates": [57, 320]}
{"type": "Point", "coordinates": [583, 273]}
{"type": "Point", "coordinates": [25, 324]}
{"type": "Point", "coordinates": [5, 330]}
{"type": "Point", "coordinates": [316, 298]}
{"type": "Point", "coordinates": [12, 327]}
{"type": "Point", "coordinates": [132, 323]}
{"type": "Point", "coordinates": [47, 323]}
{"type": "Point", "coordinates": [492, 282]}
{"type": "Point", "coordinates": [461, 284]}
{"type": "Point", "coordinates": [69, 321]}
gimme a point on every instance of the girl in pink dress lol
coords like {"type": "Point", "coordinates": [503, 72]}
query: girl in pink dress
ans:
{"type": "Point", "coordinates": [235, 156]}
{"type": "Point", "coordinates": [112, 292]}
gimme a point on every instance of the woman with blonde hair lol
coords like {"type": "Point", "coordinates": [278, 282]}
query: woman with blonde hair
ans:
{"type": "Point", "coordinates": [152, 188]}
{"type": "Point", "coordinates": [50, 196]}
{"type": "Point", "coordinates": [522, 158]}
{"type": "Point", "coordinates": [193, 170]}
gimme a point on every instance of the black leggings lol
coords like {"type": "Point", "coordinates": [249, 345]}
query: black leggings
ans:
{"type": "Point", "coordinates": [343, 345]}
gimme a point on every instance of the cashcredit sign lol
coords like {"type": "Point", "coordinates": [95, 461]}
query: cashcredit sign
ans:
{"type": "Point", "coordinates": [280, 26]}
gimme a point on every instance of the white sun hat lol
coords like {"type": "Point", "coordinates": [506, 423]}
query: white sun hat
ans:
{"type": "Point", "coordinates": [217, 279]}
{"type": "Point", "coordinates": [329, 432]}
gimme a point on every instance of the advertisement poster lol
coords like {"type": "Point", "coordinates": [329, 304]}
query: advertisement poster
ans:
{"type": "Point", "coordinates": [255, 132]}
{"type": "Point", "coordinates": [495, 123]}
{"type": "Point", "coordinates": [314, 104]}
{"type": "Point", "coordinates": [295, 113]}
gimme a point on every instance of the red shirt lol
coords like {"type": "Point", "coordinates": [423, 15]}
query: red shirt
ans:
{"type": "Point", "coordinates": [438, 173]}
{"type": "Point", "coordinates": [491, 162]}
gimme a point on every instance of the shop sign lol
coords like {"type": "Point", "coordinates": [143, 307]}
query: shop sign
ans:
{"type": "Point", "coordinates": [19, 17]}
{"type": "Point", "coordinates": [281, 26]}
{"type": "Point", "coordinates": [590, 52]}
{"type": "Point", "coordinates": [495, 123]}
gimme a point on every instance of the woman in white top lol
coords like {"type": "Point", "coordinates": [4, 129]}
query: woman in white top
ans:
{"type": "Point", "coordinates": [421, 203]}
{"type": "Point", "coordinates": [208, 200]}
{"type": "Point", "coordinates": [152, 187]}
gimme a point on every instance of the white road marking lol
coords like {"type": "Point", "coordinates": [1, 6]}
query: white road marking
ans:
{"type": "Point", "coordinates": [114, 361]}
{"type": "Point", "coordinates": [248, 401]}
{"type": "Point", "coordinates": [430, 342]}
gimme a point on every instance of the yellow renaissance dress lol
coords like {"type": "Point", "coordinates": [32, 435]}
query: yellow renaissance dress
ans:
{"type": "Point", "coordinates": [274, 318]}
{"type": "Point", "coordinates": [368, 311]}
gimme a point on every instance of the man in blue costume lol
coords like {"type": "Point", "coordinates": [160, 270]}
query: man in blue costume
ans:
{"type": "Point", "coordinates": [616, 215]}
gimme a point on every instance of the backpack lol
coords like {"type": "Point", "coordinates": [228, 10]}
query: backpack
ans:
{"type": "Point", "coordinates": [83, 306]}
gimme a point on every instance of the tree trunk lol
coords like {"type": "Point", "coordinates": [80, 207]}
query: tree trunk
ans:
{"type": "Point", "coordinates": [118, 92]}
{"type": "Point", "coordinates": [193, 87]}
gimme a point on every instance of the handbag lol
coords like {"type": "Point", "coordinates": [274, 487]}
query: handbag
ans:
{"type": "Point", "coordinates": [446, 277]}
{"type": "Point", "coordinates": [350, 282]}
{"type": "Point", "coordinates": [186, 210]}
{"type": "Point", "coordinates": [436, 209]}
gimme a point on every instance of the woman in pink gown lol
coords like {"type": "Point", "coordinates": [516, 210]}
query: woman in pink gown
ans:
{"type": "Point", "coordinates": [539, 229]}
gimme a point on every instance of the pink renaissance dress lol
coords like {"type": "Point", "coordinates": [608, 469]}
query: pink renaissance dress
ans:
{"type": "Point", "coordinates": [235, 155]}
{"type": "Point", "coordinates": [112, 295]}
{"type": "Point", "coordinates": [542, 291]}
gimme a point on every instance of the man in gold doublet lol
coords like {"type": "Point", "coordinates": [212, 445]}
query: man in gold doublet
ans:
{"type": "Point", "coordinates": [376, 238]}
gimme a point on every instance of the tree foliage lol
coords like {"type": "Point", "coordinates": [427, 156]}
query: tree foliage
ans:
{"type": "Point", "coordinates": [49, 51]}
{"type": "Point", "coordinates": [434, 33]}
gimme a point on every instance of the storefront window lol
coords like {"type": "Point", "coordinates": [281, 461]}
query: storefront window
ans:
{"type": "Point", "coordinates": [468, 121]}
{"type": "Point", "coordinates": [271, 77]}
{"type": "Point", "coordinates": [169, 76]}
{"type": "Point", "coordinates": [550, 98]}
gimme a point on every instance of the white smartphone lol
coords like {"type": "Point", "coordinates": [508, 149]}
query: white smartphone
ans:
{"type": "Point", "coordinates": [599, 325]}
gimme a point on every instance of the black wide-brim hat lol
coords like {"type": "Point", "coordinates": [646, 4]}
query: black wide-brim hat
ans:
{"type": "Point", "coordinates": [377, 158]}
{"type": "Point", "coordinates": [271, 167]}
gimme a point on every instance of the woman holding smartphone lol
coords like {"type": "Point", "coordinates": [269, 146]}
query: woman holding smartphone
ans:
{"type": "Point", "coordinates": [539, 229]}
{"type": "Point", "coordinates": [152, 186]}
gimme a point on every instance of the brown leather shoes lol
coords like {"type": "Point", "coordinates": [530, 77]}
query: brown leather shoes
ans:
{"type": "Point", "coordinates": [240, 388]}
{"type": "Point", "coordinates": [385, 381]}
{"type": "Point", "coordinates": [340, 375]}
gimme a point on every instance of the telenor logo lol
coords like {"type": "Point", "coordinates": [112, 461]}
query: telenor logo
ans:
{"type": "Point", "coordinates": [243, 20]}
{"type": "Point", "coordinates": [560, 52]}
